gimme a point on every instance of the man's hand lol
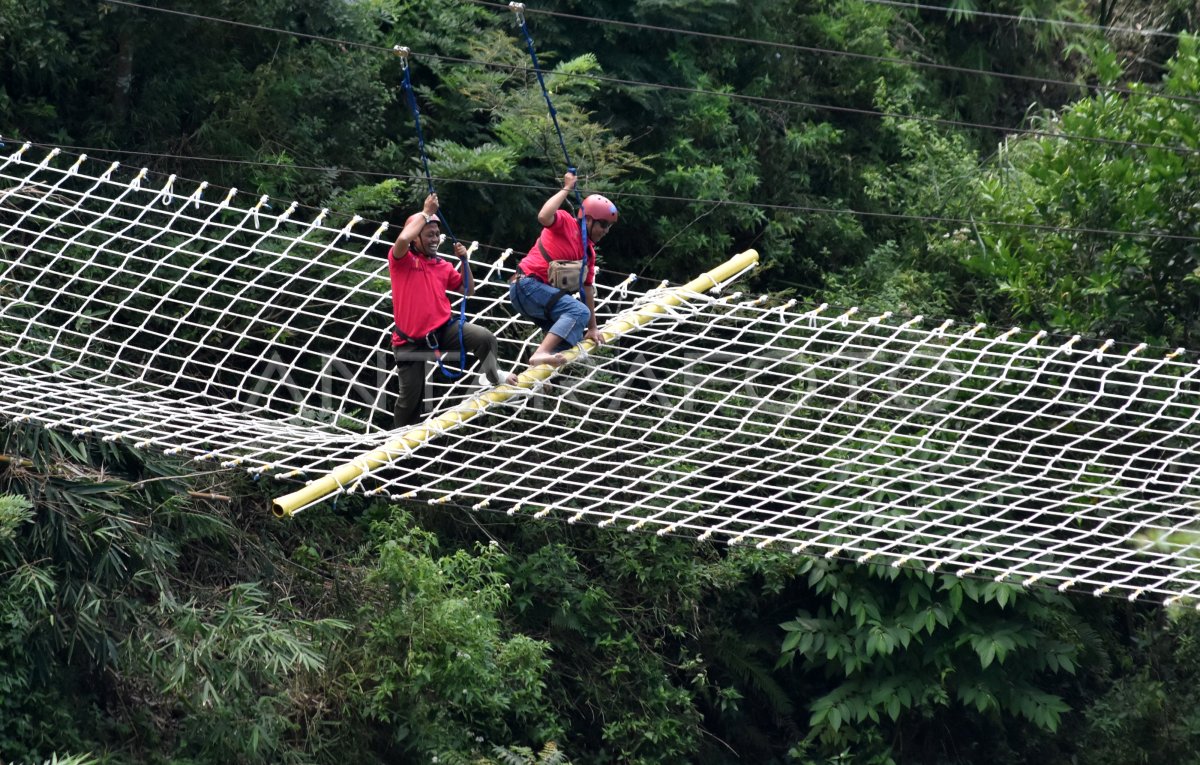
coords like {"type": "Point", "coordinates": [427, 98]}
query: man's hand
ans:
{"type": "Point", "coordinates": [569, 182]}
{"type": "Point", "coordinates": [460, 251]}
{"type": "Point", "coordinates": [594, 335]}
{"type": "Point", "coordinates": [431, 204]}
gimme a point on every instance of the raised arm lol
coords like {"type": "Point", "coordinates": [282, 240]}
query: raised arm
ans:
{"type": "Point", "coordinates": [414, 225]}
{"type": "Point", "coordinates": [546, 214]}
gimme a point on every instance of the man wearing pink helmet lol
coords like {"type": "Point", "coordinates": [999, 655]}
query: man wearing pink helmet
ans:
{"type": "Point", "coordinates": [423, 324]}
{"type": "Point", "coordinates": [538, 294]}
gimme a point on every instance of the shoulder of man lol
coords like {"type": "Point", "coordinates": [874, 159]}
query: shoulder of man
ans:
{"type": "Point", "coordinates": [564, 215]}
{"type": "Point", "coordinates": [563, 221]}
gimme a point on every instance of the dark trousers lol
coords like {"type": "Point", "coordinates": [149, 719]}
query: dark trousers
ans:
{"type": "Point", "coordinates": [411, 367]}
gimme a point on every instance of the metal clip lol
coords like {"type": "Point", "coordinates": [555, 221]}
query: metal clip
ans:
{"type": "Point", "coordinates": [403, 52]}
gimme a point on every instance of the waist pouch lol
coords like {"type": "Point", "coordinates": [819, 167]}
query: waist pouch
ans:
{"type": "Point", "coordinates": [562, 274]}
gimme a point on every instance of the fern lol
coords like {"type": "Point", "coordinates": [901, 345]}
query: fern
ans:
{"type": "Point", "coordinates": [517, 755]}
{"type": "Point", "coordinates": [736, 654]}
{"type": "Point", "coordinates": [14, 511]}
{"type": "Point", "coordinates": [550, 754]}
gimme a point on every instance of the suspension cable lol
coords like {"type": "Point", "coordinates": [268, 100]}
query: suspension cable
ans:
{"type": "Point", "coordinates": [519, 10]}
{"type": "Point", "coordinates": [403, 53]}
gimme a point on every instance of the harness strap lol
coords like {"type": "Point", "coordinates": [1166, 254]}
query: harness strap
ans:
{"type": "Point", "coordinates": [582, 263]}
{"type": "Point", "coordinates": [430, 340]}
{"type": "Point", "coordinates": [559, 292]}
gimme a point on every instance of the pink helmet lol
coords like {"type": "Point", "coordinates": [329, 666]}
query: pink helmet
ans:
{"type": "Point", "coordinates": [597, 207]}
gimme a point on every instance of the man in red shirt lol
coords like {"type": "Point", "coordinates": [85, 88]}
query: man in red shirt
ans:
{"type": "Point", "coordinates": [565, 319]}
{"type": "Point", "coordinates": [421, 309]}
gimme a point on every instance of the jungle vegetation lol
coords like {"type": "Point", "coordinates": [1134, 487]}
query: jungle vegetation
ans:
{"type": "Point", "coordinates": [1035, 164]}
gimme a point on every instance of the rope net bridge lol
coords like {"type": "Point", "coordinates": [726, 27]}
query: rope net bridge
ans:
{"type": "Point", "coordinates": [226, 332]}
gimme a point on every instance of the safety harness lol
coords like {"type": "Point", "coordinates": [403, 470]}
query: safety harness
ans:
{"type": "Point", "coordinates": [431, 340]}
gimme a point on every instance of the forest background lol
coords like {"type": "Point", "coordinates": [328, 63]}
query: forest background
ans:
{"type": "Point", "coordinates": [1020, 162]}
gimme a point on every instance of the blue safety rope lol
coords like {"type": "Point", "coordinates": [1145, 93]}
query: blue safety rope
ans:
{"type": "Point", "coordinates": [519, 8]}
{"type": "Point", "coordinates": [462, 306]}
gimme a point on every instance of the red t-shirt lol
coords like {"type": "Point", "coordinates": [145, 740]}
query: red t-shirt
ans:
{"type": "Point", "coordinates": [562, 241]}
{"type": "Point", "coordinates": [419, 301]}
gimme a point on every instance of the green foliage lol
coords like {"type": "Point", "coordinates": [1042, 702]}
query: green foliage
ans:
{"type": "Point", "coordinates": [133, 79]}
{"type": "Point", "coordinates": [13, 512]}
{"type": "Point", "coordinates": [549, 754]}
{"type": "Point", "coordinates": [374, 200]}
{"type": "Point", "coordinates": [615, 615]}
{"type": "Point", "coordinates": [1056, 266]}
{"type": "Point", "coordinates": [463, 647]}
{"type": "Point", "coordinates": [141, 623]}
{"type": "Point", "coordinates": [226, 667]}
{"type": "Point", "coordinates": [899, 646]}
{"type": "Point", "coordinates": [440, 672]}
{"type": "Point", "coordinates": [95, 612]}
{"type": "Point", "coordinates": [514, 138]}
{"type": "Point", "coordinates": [27, 590]}
{"type": "Point", "coordinates": [1145, 707]}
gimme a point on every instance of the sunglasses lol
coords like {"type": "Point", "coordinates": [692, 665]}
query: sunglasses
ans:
{"type": "Point", "coordinates": [604, 224]}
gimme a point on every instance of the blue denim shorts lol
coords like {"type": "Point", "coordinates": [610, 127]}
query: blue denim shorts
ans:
{"type": "Point", "coordinates": [568, 316]}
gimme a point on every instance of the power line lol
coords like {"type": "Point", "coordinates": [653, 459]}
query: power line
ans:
{"type": "Point", "coordinates": [829, 107]}
{"type": "Point", "coordinates": [962, 222]}
{"type": "Point", "coordinates": [1026, 19]}
{"type": "Point", "coordinates": [841, 53]}
{"type": "Point", "coordinates": [784, 208]}
{"type": "Point", "coordinates": [247, 25]}
{"type": "Point", "coordinates": [700, 91]}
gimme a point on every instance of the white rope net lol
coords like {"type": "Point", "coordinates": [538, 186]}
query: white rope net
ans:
{"type": "Point", "coordinates": [224, 330]}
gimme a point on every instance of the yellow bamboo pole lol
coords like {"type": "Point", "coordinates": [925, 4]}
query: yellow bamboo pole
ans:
{"type": "Point", "coordinates": [332, 482]}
